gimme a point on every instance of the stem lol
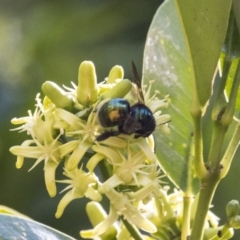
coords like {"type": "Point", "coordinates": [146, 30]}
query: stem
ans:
{"type": "Point", "coordinates": [132, 230]}
{"type": "Point", "coordinates": [187, 206]}
{"type": "Point", "coordinates": [231, 149]}
{"type": "Point", "coordinates": [210, 182]}
{"type": "Point", "coordinates": [188, 196]}
{"type": "Point", "coordinates": [164, 209]}
{"type": "Point", "coordinates": [216, 146]}
{"type": "Point", "coordinates": [205, 197]}
{"type": "Point", "coordinates": [222, 115]}
{"type": "Point", "coordinates": [198, 160]}
{"type": "Point", "coordinates": [225, 232]}
{"type": "Point", "coordinates": [227, 117]}
{"type": "Point", "coordinates": [220, 103]}
{"type": "Point", "coordinates": [209, 178]}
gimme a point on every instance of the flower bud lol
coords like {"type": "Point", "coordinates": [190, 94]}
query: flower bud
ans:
{"type": "Point", "coordinates": [235, 222]}
{"type": "Point", "coordinates": [232, 208]}
{"type": "Point", "coordinates": [115, 73]}
{"type": "Point", "coordinates": [97, 215]}
{"type": "Point", "coordinates": [210, 233]}
{"type": "Point", "coordinates": [46, 102]}
{"type": "Point", "coordinates": [57, 95]}
{"type": "Point", "coordinates": [119, 90]}
{"type": "Point", "coordinates": [87, 89]}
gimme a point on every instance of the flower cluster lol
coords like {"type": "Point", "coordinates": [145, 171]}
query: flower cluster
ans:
{"type": "Point", "coordinates": [64, 128]}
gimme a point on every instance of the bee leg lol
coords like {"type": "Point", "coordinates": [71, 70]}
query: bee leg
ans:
{"type": "Point", "coordinates": [137, 136]}
{"type": "Point", "coordinates": [106, 135]}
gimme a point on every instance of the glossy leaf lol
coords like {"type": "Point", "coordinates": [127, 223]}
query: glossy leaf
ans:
{"type": "Point", "coordinates": [205, 23]}
{"type": "Point", "coordinates": [234, 72]}
{"type": "Point", "coordinates": [236, 10]}
{"type": "Point", "coordinates": [170, 60]}
{"type": "Point", "coordinates": [231, 55]}
{"type": "Point", "coordinates": [13, 227]}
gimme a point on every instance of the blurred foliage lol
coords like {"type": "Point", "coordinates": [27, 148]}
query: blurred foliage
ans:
{"type": "Point", "coordinates": [47, 40]}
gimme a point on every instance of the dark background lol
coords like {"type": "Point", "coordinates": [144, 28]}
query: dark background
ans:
{"type": "Point", "coordinates": [47, 40]}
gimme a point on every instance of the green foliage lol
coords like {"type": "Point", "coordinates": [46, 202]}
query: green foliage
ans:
{"type": "Point", "coordinates": [205, 24]}
{"type": "Point", "coordinates": [166, 60]}
{"type": "Point", "coordinates": [179, 47]}
{"type": "Point", "coordinates": [183, 46]}
{"type": "Point", "coordinates": [47, 40]}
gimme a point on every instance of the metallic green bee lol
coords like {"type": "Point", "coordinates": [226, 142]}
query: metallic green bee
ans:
{"type": "Point", "coordinates": [136, 119]}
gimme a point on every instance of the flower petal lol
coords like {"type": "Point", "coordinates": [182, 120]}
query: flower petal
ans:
{"type": "Point", "coordinates": [93, 161]}
{"type": "Point", "coordinates": [108, 222]}
{"type": "Point", "coordinates": [141, 222]}
{"type": "Point", "coordinates": [77, 155]}
{"type": "Point", "coordinates": [93, 194]}
{"type": "Point", "coordinates": [112, 182]}
{"type": "Point", "coordinates": [108, 152]}
{"type": "Point", "coordinates": [67, 198]}
{"type": "Point", "coordinates": [115, 142]}
{"type": "Point", "coordinates": [49, 175]}
{"type": "Point", "coordinates": [68, 117]}
{"type": "Point", "coordinates": [25, 150]}
{"type": "Point", "coordinates": [143, 145]}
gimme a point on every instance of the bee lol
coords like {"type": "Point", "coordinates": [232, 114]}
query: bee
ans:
{"type": "Point", "coordinates": [137, 119]}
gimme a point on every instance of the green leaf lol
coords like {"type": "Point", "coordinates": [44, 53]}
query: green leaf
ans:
{"type": "Point", "coordinates": [231, 56]}
{"type": "Point", "coordinates": [173, 58]}
{"type": "Point", "coordinates": [232, 74]}
{"type": "Point", "coordinates": [14, 227]}
{"type": "Point", "coordinates": [166, 60]}
{"type": "Point", "coordinates": [205, 23]}
{"type": "Point", "coordinates": [236, 10]}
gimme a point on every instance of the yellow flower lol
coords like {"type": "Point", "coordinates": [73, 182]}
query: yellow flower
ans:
{"type": "Point", "coordinates": [34, 123]}
{"type": "Point", "coordinates": [80, 184]}
{"type": "Point", "coordinates": [121, 205]}
{"type": "Point", "coordinates": [65, 128]}
{"type": "Point", "coordinates": [44, 146]}
{"type": "Point", "coordinates": [155, 104]}
{"type": "Point", "coordinates": [127, 167]}
{"type": "Point", "coordinates": [82, 133]}
{"type": "Point", "coordinates": [47, 152]}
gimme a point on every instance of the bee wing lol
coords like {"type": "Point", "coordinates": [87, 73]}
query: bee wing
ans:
{"type": "Point", "coordinates": [131, 125]}
{"type": "Point", "coordinates": [137, 81]}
